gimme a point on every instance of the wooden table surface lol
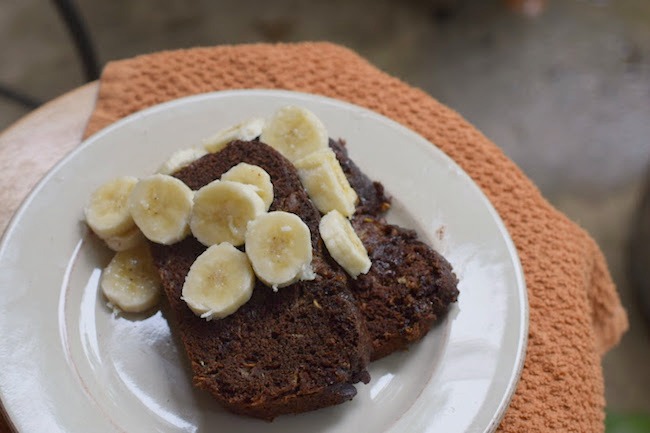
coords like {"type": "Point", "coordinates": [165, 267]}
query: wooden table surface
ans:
{"type": "Point", "coordinates": [34, 144]}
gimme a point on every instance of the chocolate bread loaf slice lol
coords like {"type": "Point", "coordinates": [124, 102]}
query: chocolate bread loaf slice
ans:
{"type": "Point", "coordinates": [296, 350]}
{"type": "Point", "coordinates": [408, 288]}
{"type": "Point", "coordinates": [409, 285]}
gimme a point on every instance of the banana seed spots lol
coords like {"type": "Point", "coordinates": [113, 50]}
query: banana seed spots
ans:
{"type": "Point", "coordinates": [117, 200]}
{"type": "Point", "coordinates": [294, 136]}
{"type": "Point", "coordinates": [155, 205]}
{"type": "Point", "coordinates": [281, 247]}
{"type": "Point", "coordinates": [226, 213]}
{"type": "Point", "coordinates": [218, 279]}
{"type": "Point", "coordinates": [132, 263]}
{"type": "Point", "coordinates": [217, 287]}
{"type": "Point", "coordinates": [221, 215]}
{"type": "Point", "coordinates": [152, 203]}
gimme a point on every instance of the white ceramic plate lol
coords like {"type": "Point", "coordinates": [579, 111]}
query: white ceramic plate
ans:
{"type": "Point", "coordinates": [69, 365]}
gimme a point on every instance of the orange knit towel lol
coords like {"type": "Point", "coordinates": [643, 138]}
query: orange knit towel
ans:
{"type": "Point", "coordinates": [575, 312]}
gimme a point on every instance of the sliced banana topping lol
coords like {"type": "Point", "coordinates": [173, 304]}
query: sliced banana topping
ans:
{"type": "Point", "coordinates": [295, 132]}
{"type": "Point", "coordinates": [219, 282]}
{"type": "Point", "coordinates": [222, 210]}
{"type": "Point", "coordinates": [255, 176]}
{"type": "Point", "coordinates": [279, 247]}
{"type": "Point", "coordinates": [343, 244]}
{"type": "Point", "coordinates": [246, 131]}
{"type": "Point", "coordinates": [107, 213]}
{"type": "Point", "coordinates": [181, 159]}
{"type": "Point", "coordinates": [128, 240]}
{"type": "Point", "coordinates": [323, 178]}
{"type": "Point", "coordinates": [225, 214]}
{"type": "Point", "coordinates": [161, 206]}
{"type": "Point", "coordinates": [130, 282]}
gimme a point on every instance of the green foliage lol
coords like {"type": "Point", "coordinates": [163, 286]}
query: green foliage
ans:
{"type": "Point", "coordinates": [627, 423]}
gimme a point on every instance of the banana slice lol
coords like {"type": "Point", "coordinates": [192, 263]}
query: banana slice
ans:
{"type": "Point", "coordinates": [130, 282]}
{"type": "Point", "coordinates": [279, 247]}
{"type": "Point", "coordinates": [295, 132]}
{"type": "Point", "coordinates": [219, 282]}
{"type": "Point", "coordinates": [323, 178]}
{"type": "Point", "coordinates": [255, 176]}
{"type": "Point", "coordinates": [246, 131]}
{"type": "Point", "coordinates": [161, 206]}
{"type": "Point", "coordinates": [128, 240]}
{"type": "Point", "coordinates": [181, 159]}
{"type": "Point", "coordinates": [107, 213]}
{"type": "Point", "coordinates": [343, 244]}
{"type": "Point", "coordinates": [222, 210]}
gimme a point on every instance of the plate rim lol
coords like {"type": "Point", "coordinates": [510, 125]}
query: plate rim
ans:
{"type": "Point", "coordinates": [524, 313]}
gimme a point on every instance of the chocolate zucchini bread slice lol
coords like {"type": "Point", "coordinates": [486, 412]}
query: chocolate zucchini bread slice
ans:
{"type": "Point", "coordinates": [408, 288]}
{"type": "Point", "coordinates": [296, 350]}
{"type": "Point", "coordinates": [409, 285]}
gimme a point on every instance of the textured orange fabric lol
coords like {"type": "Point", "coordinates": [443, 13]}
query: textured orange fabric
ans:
{"type": "Point", "coordinates": [575, 312]}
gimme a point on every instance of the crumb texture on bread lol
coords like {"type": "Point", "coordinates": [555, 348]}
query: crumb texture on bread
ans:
{"type": "Point", "coordinates": [305, 346]}
{"type": "Point", "coordinates": [296, 350]}
{"type": "Point", "coordinates": [409, 286]}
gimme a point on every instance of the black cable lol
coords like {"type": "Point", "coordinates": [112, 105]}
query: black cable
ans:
{"type": "Point", "coordinates": [77, 29]}
{"type": "Point", "coordinates": [19, 97]}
